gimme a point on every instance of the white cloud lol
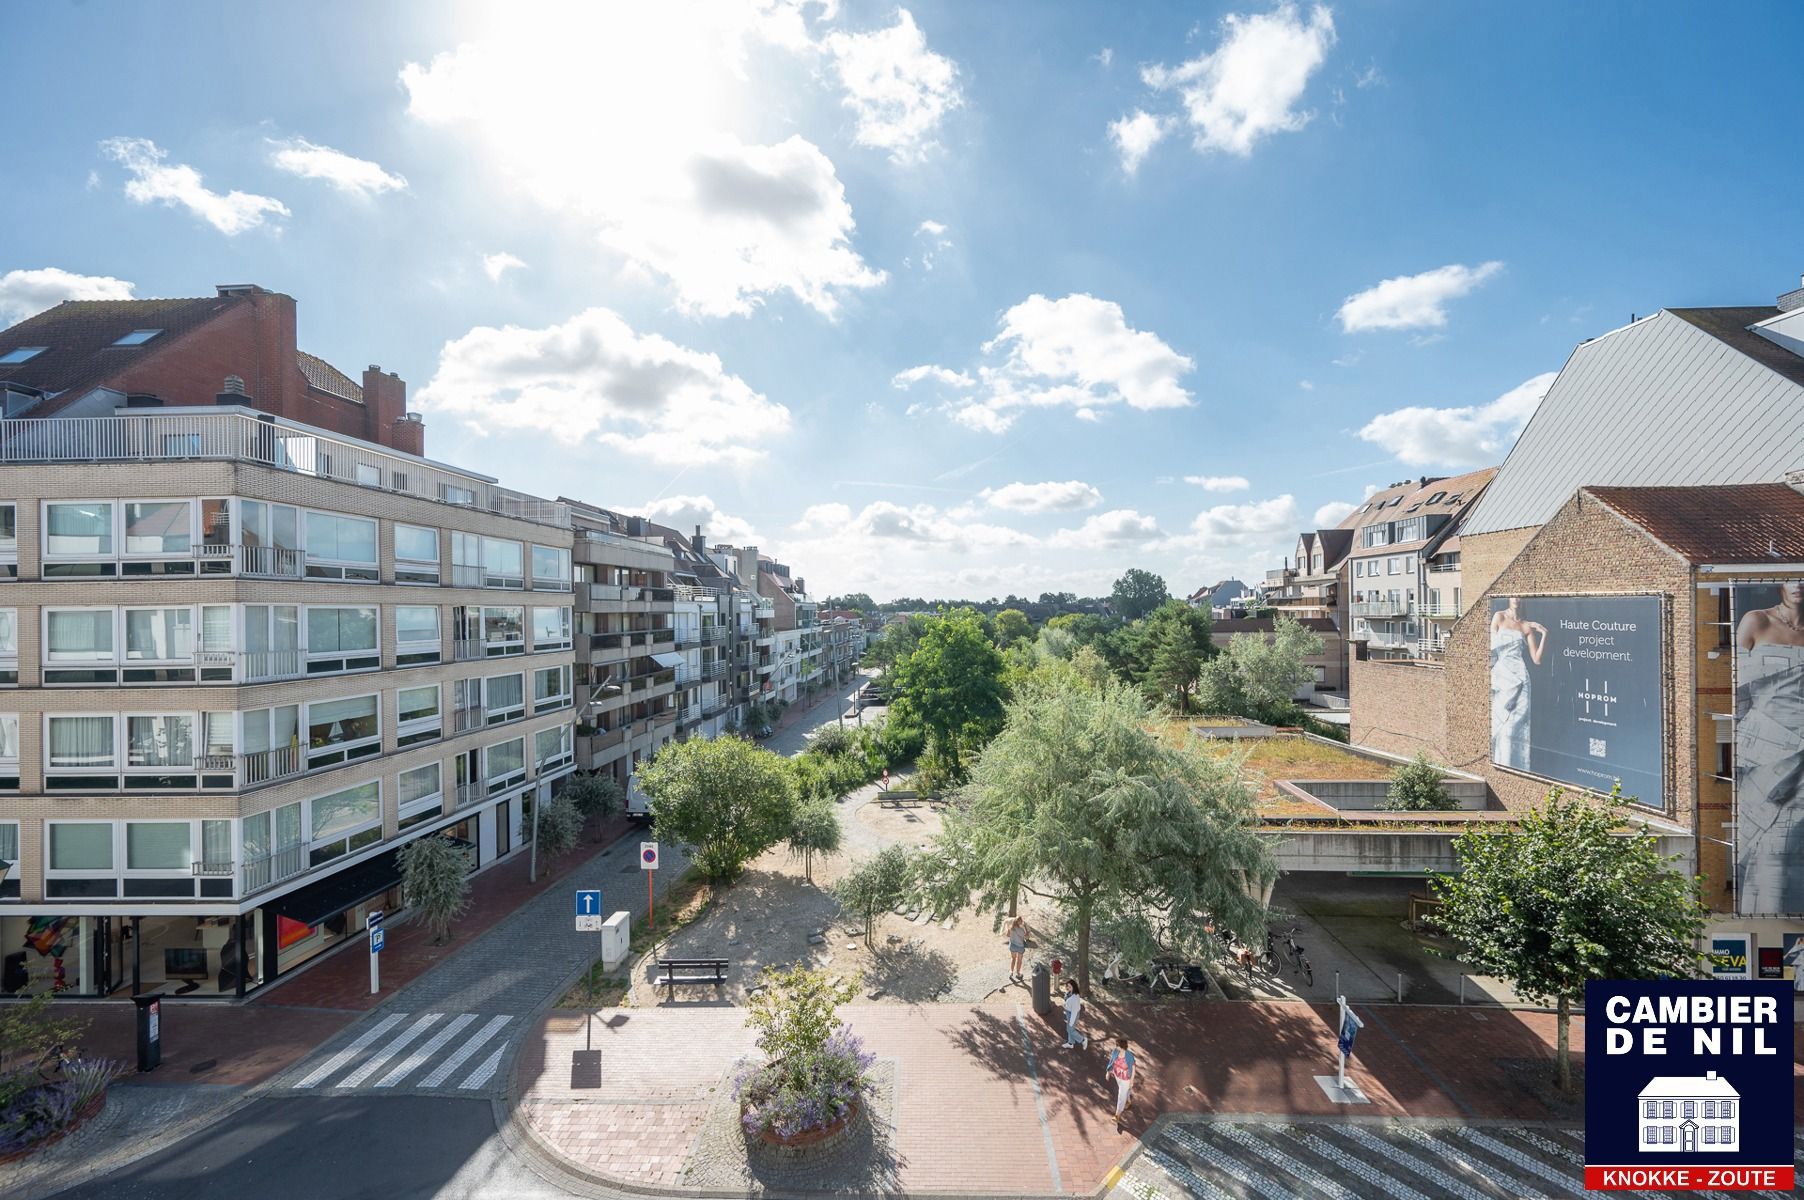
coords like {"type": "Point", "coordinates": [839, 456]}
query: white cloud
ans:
{"type": "Point", "coordinates": [1412, 301]}
{"type": "Point", "coordinates": [1253, 522]}
{"type": "Point", "coordinates": [1047, 497]}
{"type": "Point", "coordinates": [1105, 56]}
{"type": "Point", "coordinates": [822, 518]}
{"type": "Point", "coordinates": [1135, 136]}
{"type": "Point", "coordinates": [1077, 352]}
{"type": "Point", "coordinates": [932, 235]}
{"type": "Point", "coordinates": [684, 513]}
{"type": "Point", "coordinates": [941, 375]}
{"type": "Point", "coordinates": [1306, 385]}
{"type": "Point", "coordinates": [1332, 514]}
{"type": "Point", "coordinates": [1118, 528]}
{"type": "Point", "coordinates": [1249, 86]}
{"type": "Point", "coordinates": [897, 88]}
{"type": "Point", "coordinates": [593, 376]}
{"type": "Point", "coordinates": [636, 122]}
{"type": "Point", "coordinates": [1219, 483]}
{"type": "Point", "coordinates": [1472, 436]}
{"type": "Point", "coordinates": [153, 180]}
{"type": "Point", "coordinates": [25, 293]}
{"type": "Point", "coordinates": [358, 176]}
{"type": "Point", "coordinates": [497, 265]}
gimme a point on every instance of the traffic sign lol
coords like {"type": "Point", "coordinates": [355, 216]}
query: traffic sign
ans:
{"type": "Point", "coordinates": [588, 902]}
{"type": "Point", "coordinates": [376, 940]}
{"type": "Point", "coordinates": [648, 856]}
{"type": "Point", "coordinates": [373, 918]}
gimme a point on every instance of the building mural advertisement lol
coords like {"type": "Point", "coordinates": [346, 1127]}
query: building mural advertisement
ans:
{"type": "Point", "coordinates": [1576, 691]}
{"type": "Point", "coordinates": [1769, 747]}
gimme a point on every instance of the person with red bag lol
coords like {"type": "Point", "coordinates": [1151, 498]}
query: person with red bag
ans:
{"type": "Point", "coordinates": [1121, 1070]}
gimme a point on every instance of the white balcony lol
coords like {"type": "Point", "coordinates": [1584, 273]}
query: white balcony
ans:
{"type": "Point", "coordinates": [1383, 608]}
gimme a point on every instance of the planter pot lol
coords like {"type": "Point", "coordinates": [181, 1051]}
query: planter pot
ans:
{"type": "Point", "coordinates": [810, 1144]}
{"type": "Point", "coordinates": [81, 1118]}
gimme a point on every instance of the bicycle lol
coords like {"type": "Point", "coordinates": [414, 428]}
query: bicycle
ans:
{"type": "Point", "coordinates": [1299, 961]}
{"type": "Point", "coordinates": [1171, 975]}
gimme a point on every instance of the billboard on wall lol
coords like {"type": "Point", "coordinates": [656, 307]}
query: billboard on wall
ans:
{"type": "Point", "coordinates": [1576, 691]}
{"type": "Point", "coordinates": [1769, 747]}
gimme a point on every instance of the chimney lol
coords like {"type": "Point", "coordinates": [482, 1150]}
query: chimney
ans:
{"type": "Point", "coordinates": [1791, 301]}
{"type": "Point", "coordinates": [1709, 1074]}
{"type": "Point", "coordinates": [700, 543]}
{"type": "Point", "coordinates": [232, 391]}
{"type": "Point", "coordinates": [385, 400]}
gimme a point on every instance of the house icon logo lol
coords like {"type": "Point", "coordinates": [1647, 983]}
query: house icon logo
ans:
{"type": "Point", "coordinates": [1689, 1114]}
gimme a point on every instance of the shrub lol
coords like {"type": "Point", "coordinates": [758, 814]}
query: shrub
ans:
{"type": "Point", "coordinates": [814, 829]}
{"type": "Point", "coordinates": [560, 825]}
{"type": "Point", "coordinates": [596, 796]}
{"type": "Point", "coordinates": [815, 1069]}
{"type": "Point", "coordinates": [435, 877]}
{"type": "Point", "coordinates": [36, 1110]}
{"type": "Point", "coordinates": [875, 885]}
{"type": "Point", "coordinates": [1416, 787]}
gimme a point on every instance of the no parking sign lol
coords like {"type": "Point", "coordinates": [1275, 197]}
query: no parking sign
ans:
{"type": "Point", "coordinates": [648, 856]}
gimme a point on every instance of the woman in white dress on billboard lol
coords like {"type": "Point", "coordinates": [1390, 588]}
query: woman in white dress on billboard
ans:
{"type": "Point", "coordinates": [1769, 737]}
{"type": "Point", "coordinates": [1515, 643]}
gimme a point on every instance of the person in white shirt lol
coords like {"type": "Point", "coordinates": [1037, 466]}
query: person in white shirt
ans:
{"type": "Point", "coordinates": [1074, 1005]}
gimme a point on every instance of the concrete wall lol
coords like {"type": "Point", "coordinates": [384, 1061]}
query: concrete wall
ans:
{"type": "Point", "coordinates": [1370, 794]}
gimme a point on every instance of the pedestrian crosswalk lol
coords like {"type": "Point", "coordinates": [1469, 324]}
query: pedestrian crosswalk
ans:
{"type": "Point", "coordinates": [1344, 1160]}
{"type": "Point", "coordinates": [454, 1052]}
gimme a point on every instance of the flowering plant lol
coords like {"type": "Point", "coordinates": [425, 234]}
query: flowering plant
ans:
{"type": "Point", "coordinates": [796, 1095]}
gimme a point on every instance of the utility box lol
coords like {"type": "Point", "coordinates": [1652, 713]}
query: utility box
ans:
{"type": "Point", "coordinates": [616, 939]}
{"type": "Point", "coordinates": [1042, 990]}
{"type": "Point", "coordinates": [150, 1030]}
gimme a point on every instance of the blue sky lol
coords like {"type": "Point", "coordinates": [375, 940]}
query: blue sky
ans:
{"type": "Point", "coordinates": [955, 299]}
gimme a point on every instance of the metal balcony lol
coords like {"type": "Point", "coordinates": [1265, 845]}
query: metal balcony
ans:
{"type": "Point", "coordinates": [1383, 608]}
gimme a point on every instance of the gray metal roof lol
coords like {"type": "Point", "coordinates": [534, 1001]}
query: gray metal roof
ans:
{"type": "Point", "coordinates": [1661, 403]}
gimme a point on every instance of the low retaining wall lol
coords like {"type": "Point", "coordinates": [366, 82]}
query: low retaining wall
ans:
{"type": "Point", "coordinates": [1370, 794]}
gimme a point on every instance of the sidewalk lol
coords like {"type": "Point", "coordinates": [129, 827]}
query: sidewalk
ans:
{"type": "Point", "coordinates": [988, 1101]}
{"type": "Point", "coordinates": [209, 1042]}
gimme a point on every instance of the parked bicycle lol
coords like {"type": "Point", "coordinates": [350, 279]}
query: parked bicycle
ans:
{"type": "Point", "coordinates": [1293, 953]}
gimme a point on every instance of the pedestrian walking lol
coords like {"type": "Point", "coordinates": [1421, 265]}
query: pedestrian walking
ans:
{"type": "Point", "coordinates": [1017, 946]}
{"type": "Point", "coordinates": [1074, 1006]}
{"type": "Point", "coordinates": [1121, 1070]}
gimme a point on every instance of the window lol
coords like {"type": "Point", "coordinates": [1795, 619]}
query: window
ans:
{"type": "Point", "coordinates": [550, 689]}
{"type": "Point", "coordinates": [272, 846]}
{"type": "Point", "coordinates": [1709, 1135]}
{"type": "Point", "coordinates": [550, 569]}
{"type": "Point", "coordinates": [270, 536]}
{"type": "Point", "coordinates": [502, 564]}
{"type": "Point", "coordinates": [9, 754]}
{"type": "Point", "coordinates": [340, 547]}
{"type": "Point", "coordinates": [272, 641]}
{"type": "Point", "coordinates": [450, 493]}
{"type": "Point", "coordinates": [420, 794]}
{"type": "Point", "coordinates": [1666, 1110]}
{"type": "Point", "coordinates": [159, 846]}
{"type": "Point", "coordinates": [466, 560]}
{"type": "Point", "coordinates": [272, 744]}
{"type": "Point", "coordinates": [159, 742]}
{"type": "Point", "coordinates": [503, 698]}
{"type": "Point", "coordinates": [1648, 1108]}
{"type": "Point", "coordinates": [1728, 1109]}
{"type": "Point", "coordinates": [341, 639]}
{"type": "Point", "coordinates": [78, 531]}
{"type": "Point", "coordinates": [1652, 1134]}
{"type": "Point", "coordinates": [158, 527]}
{"type": "Point", "coordinates": [504, 765]}
{"type": "Point", "coordinates": [550, 629]}
{"type": "Point", "coordinates": [341, 731]}
{"type": "Point", "coordinates": [416, 554]}
{"type": "Point", "coordinates": [1727, 1137]}
{"type": "Point", "coordinates": [13, 358]}
{"type": "Point", "coordinates": [416, 635]}
{"type": "Point", "coordinates": [81, 845]}
{"type": "Point", "coordinates": [417, 711]}
{"type": "Point", "coordinates": [137, 337]}
{"type": "Point", "coordinates": [1666, 1135]}
{"type": "Point", "coordinates": [9, 647]}
{"type": "Point", "coordinates": [9, 541]}
{"type": "Point", "coordinates": [159, 635]}
{"type": "Point", "coordinates": [551, 747]}
{"type": "Point", "coordinates": [503, 631]}
{"type": "Point", "coordinates": [1691, 1109]}
{"type": "Point", "coordinates": [9, 856]}
{"type": "Point", "coordinates": [344, 822]}
{"type": "Point", "coordinates": [1709, 1108]}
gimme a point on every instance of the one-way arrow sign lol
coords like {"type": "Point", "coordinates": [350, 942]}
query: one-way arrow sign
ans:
{"type": "Point", "coordinates": [588, 909]}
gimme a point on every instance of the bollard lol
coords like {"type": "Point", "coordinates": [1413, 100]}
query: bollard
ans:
{"type": "Point", "coordinates": [1337, 983]}
{"type": "Point", "coordinates": [1462, 989]}
{"type": "Point", "coordinates": [1399, 987]}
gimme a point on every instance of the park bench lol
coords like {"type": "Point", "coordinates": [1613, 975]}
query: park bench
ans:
{"type": "Point", "coordinates": [899, 799]}
{"type": "Point", "coordinates": [691, 970]}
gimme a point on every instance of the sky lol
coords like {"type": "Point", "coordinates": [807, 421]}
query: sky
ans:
{"type": "Point", "coordinates": [955, 299]}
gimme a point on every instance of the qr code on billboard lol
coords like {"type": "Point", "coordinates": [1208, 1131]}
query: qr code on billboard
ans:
{"type": "Point", "coordinates": [1598, 749]}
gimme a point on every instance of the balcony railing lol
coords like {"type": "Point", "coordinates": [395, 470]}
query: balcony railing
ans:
{"type": "Point", "coordinates": [214, 870]}
{"type": "Point", "coordinates": [1440, 612]}
{"type": "Point", "coordinates": [466, 794]}
{"type": "Point", "coordinates": [271, 869]}
{"type": "Point", "coordinates": [1383, 608]}
{"type": "Point", "coordinates": [1440, 567]}
{"type": "Point", "coordinates": [258, 767]}
{"type": "Point", "coordinates": [266, 441]}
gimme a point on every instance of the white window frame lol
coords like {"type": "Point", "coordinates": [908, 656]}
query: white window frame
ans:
{"type": "Point", "coordinates": [112, 871]}
{"type": "Point", "coordinates": [566, 621]}
{"type": "Point", "coordinates": [350, 662]}
{"type": "Point", "coordinates": [419, 729]}
{"type": "Point", "coordinates": [9, 655]}
{"type": "Point", "coordinates": [338, 754]}
{"type": "Point", "coordinates": [267, 557]}
{"type": "Point", "coordinates": [513, 712]}
{"type": "Point", "coordinates": [411, 812]}
{"type": "Point", "coordinates": [339, 570]}
{"type": "Point", "coordinates": [9, 546]}
{"type": "Point", "coordinates": [549, 583]}
{"type": "Point", "coordinates": [466, 559]}
{"type": "Point", "coordinates": [420, 654]}
{"type": "Point", "coordinates": [126, 554]}
{"type": "Point", "coordinates": [111, 555]}
{"type": "Point", "coordinates": [357, 834]}
{"type": "Point", "coordinates": [504, 649]}
{"type": "Point", "coordinates": [512, 778]}
{"type": "Point", "coordinates": [558, 699]}
{"type": "Point", "coordinates": [564, 754]}
{"type": "Point", "coordinates": [491, 576]}
{"type": "Point", "coordinates": [196, 732]}
{"type": "Point", "coordinates": [412, 571]}
{"type": "Point", "coordinates": [9, 763]}
{"type": "Point", "coordinates": [111, 769]}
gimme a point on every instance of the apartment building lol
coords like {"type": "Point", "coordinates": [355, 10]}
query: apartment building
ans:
{"type": "Point", "coordinates": [248, 661]}
{"type": "Point", "coordinates": [1403, 569]}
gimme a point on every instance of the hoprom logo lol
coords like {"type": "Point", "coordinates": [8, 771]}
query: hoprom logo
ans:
{"type": "Point", "coordinates": [1688, 1086]}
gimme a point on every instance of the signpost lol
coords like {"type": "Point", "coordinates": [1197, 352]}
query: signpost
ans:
{"type": "Point", "coordinates": [373, 921]}
{"type": "Point", "coordinates": [588, 910]}
{"type": "Point", "coordinates": [648, 862]}
{"type": "Point", "coordinates": [1339, 1088]}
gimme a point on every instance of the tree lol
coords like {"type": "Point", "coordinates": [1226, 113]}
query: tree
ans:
{"type": "Point", "coordinates": [435, 877]}
{"type": "Point", "coordinates": [1567, 897]}
{"type": "Point", "coordinates": [1137, 593]}
{"type": "Point", "coordinates": [813, 829]}
{"type": "Point", "coordinates": [951, 685]}
{"type": "Point", "coordinates": [1012, 626]}
{"type": "Point", "coordinates": [597, 796]}
{"type": "Point", "coordinates": [1416, 787]}
{"type": "Point", "coordinates": [29, 1031]}
{"type": "Point", "coordinates": [1271, 669]}
{"type": "Point", "coordinates": [729, 799]}
{"type": "Point", "coordinates": [560, 828]}
{"type": "Point", "coordinates": [856, 601]}
{"type": "Point", "coordinates": [1165, 650]}
{"type": "Point", "coordinates": [1076, 801]}
{"type": "Point", "coordinates": [874, 886]}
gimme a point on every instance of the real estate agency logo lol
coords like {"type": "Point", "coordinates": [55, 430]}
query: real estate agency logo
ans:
{"type": "Point", "coordinates": [1688, 1086]}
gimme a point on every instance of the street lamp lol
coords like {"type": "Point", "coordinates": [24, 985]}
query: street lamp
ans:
{"type": "Point", "coordinates": [532, 874]}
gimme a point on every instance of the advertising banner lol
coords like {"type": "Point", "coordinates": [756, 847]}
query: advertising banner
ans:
{"type": "Point", "coordinates": [1576, 691]}
{"type": "Point", "coordinates": [1769, 748]}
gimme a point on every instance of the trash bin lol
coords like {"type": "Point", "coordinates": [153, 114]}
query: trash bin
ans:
{"type": "Point", "coordinates": [150, 1030]}
{"type": "Point", "coordinates": [1042, 990]}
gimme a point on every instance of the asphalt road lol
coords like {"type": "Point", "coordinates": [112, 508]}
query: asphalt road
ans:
{"type": "Point", "coordinates": [381, 1148]}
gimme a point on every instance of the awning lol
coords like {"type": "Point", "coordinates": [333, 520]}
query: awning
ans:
{"type": "Point", "coordinates": [332, 895]}
{"type": "Point", "coordinates": [667, 659]}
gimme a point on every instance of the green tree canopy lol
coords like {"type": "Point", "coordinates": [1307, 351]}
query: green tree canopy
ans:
{"type": "Point", "coordinates": [1078, 802]}
{"type": "Point", "coordinates": [435, 878]}
{"type": "Point", "coordinates": [874, 886]}
{"type": "Point", "coordinates": [1012, 625]}
{"type": "Point", "coordinates": [857, 601]}
{"type": "Point", "coordinates": [1578, 891]}
{"type": "Point", "coordinates": [728, 798]}
{"type": "Point", "coordinates": [1165, 650]}
{"type": "Point", "coordinates": [1416, 787]}
{"type": "Point", "coordinates": [1137, 593]}
{"type": "Point", "coordinates": [1270, 669]}
{"type": "Point", "coordinates": [895, 642]}
{"type": "Point", "coordinates": [813, 829]}
{"type": "Point", "coordinates": [597, 796]}
{"type": "Point", "coordinates": [951, 686]}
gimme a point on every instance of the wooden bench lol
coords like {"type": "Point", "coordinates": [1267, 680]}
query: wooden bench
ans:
{"type": "Point", "coordinates": [691, 970]}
